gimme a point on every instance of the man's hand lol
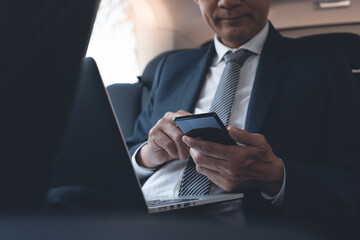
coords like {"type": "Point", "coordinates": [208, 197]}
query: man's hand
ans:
{"type": "Point", "coordinates": [251, 166]}
{"type": "Point", "coordinates": [164, 142]}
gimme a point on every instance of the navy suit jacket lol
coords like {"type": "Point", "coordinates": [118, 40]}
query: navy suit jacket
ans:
{"type": "Point", "coordinates": [305, 102]}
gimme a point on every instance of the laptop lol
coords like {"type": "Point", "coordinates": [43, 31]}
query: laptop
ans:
{"type": "Point", "coordinates": [95, 147]}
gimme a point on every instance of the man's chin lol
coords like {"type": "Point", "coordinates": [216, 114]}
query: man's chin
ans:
{"type": "Point", "coordinates": [234, 39]}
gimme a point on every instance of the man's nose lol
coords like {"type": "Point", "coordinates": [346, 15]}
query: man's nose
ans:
{"type": "Point", "coordinates": [229, 4]}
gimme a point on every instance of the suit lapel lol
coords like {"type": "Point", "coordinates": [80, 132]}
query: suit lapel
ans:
{"type": "Point", "coordinates": [267, 79]}
{"type": "Point", "coordinates": [193, 83]}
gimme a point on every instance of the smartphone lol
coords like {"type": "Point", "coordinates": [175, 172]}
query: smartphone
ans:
{"type": "Point", "coordinates": [207, 126]}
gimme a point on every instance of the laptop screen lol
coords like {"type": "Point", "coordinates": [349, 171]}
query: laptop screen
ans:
{"type": "Point", "coordinates": [94, 153]}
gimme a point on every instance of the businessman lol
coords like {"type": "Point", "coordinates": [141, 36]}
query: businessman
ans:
{"type": "Point", "coordinates": [293, 108]}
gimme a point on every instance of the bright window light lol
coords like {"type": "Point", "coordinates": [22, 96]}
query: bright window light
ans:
{"type": "Point", "coordinates": [113, 43]}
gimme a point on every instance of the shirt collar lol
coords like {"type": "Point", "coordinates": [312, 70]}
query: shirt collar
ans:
{"type": "Point", "coordinates": [254, 45]}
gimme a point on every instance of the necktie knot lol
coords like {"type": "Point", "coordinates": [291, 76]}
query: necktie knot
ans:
{"type": "Point", "coordinates": [238, 57]}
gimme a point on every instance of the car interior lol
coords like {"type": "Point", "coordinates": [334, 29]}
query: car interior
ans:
{"type": "Point", "coordinates": [53, 51]}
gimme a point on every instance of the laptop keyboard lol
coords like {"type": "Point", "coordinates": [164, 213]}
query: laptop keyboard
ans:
{"type": "Point", "coordinates": [160, 202]}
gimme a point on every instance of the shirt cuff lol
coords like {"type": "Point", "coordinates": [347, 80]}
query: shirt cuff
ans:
{"type": "Point", "coordinates": [278, 199]}
{"type": "Point", "coordinates": [141, 172]}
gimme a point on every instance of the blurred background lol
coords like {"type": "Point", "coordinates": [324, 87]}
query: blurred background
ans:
{"type": "Point", "coordinates": [129, 33]}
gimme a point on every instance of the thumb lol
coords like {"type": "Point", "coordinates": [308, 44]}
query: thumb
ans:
{"type": "Point", "coordinates": [242, 136]}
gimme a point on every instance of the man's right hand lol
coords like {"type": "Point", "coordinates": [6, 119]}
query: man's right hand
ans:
{"type": "Point", "coordinates": [164, 143]}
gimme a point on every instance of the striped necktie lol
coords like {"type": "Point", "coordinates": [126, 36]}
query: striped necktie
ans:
{"type": "Point", "coordinates": [192, 182]}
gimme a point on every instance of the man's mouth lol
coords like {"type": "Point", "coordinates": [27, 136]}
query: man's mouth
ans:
{"type": "Point", "coordinates": [233, 18]}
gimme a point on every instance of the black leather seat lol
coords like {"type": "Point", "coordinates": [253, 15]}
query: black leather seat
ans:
{"type": "Point", "coordinates": [129, 99]}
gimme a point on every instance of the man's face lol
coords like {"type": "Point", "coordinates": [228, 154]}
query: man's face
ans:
{"type": "Point", "coordinates": [235, 21]}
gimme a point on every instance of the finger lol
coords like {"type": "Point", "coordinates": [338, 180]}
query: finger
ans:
{"type": "Point", "coordinates": [212, 175]}
{"type": "Point", "coordinates": [209, 149]}
{"type": "Point", "coordinates": [168, 127]}
{"type": "Point", "coordinates": [181, 113]}
{"type": "Point", "coordinates": [163, 141]}
{"type": "Point", "coordinates": [246, 138]}
{"type": "Point", "coordinates": [219, 179]}
{"type": "Point", "coordinates": [208, 162]}
{"type": "Point", "coordinates": [176, 136]}
{"type": "Point", "coordinates": [169, 116]}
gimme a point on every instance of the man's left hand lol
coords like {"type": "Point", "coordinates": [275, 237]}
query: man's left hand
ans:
{"type": "Point", "coordinates": [251, 165]}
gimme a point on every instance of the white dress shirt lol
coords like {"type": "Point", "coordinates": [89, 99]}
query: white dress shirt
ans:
{"type": "Point", "coordinates": [166, 180]}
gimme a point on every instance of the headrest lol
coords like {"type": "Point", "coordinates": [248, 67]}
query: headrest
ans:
{"type": "Point", "coordinates": [150, 69]}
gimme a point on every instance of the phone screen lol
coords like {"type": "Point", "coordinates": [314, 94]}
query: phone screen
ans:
{"type": "Point", "coordinates": [206, 127]}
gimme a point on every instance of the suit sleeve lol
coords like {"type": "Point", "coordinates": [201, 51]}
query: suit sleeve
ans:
{"type": "Point", "coordinates": [144, 123]}
{"type": "Point", "coordinates": [330, 191]}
